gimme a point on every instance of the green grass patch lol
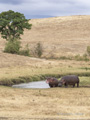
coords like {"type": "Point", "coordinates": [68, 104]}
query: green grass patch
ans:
{"type": "Point", "coordinates": [84, 81]}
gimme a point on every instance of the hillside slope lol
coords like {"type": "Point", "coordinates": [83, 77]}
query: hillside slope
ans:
{"type": "Point", "coordinates": [59, 35]}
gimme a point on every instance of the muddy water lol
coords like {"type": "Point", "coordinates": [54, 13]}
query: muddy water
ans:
{"type": "Point", "coordinates": [39, 84]}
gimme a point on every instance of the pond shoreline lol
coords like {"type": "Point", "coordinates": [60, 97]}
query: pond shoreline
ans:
{"type": "Point", "coordinates": [27, 79]}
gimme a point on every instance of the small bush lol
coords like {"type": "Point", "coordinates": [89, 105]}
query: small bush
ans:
{"type": "Point", "coordinates": [12, 47]}
{"type": "Point", "coordinates": [25, 51]}
{"type": "Point", "coordinates": [88, 50]}
{"type": "Point", "coordinates": [39, 50]}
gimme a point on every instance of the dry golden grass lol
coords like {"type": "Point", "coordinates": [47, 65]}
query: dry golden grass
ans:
{"type": "Point", "coordinates": [61, 103]}
{"type": "Point", "coordinates": [60, 35]}
{"type": "Point", "coordinates": [13, 66]}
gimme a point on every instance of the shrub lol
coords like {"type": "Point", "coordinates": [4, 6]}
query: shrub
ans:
{"type": "Point", "coordinates": [12, 47]}
{"type": "Point", "coordinates": [39, 50]}
{"type": "Point", "coordinates": [88, 50]}
{"type": "Point", "coordinates": [25, 51]}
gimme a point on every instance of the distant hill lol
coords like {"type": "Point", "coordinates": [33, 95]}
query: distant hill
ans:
{"type": "Point", "coordinates": [60, 36]}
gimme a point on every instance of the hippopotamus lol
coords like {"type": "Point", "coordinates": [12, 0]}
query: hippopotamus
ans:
{"type": "Point", "coordinates": [69, 80]}
{"type": "Point", "coordinates": [53, 82]}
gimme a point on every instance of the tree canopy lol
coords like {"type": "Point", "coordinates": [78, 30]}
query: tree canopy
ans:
{"type": "Point", "coordinates": [12, 25]}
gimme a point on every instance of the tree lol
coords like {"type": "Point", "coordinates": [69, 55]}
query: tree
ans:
{"type": "Point", "coordinates": [12, 25]}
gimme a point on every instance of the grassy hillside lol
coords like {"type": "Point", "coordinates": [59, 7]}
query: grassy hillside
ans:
{"type": "Point", "coordinates": [59, 35]}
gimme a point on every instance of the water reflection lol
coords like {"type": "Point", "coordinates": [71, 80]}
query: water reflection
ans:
{"type": "Point", "coordinates": [38, 84]}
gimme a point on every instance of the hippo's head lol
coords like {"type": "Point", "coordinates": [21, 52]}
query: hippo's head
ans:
{"type": "Point", "coordinates": [60, 83]}
{"type": "Point", "coordinates": [49, 80]}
